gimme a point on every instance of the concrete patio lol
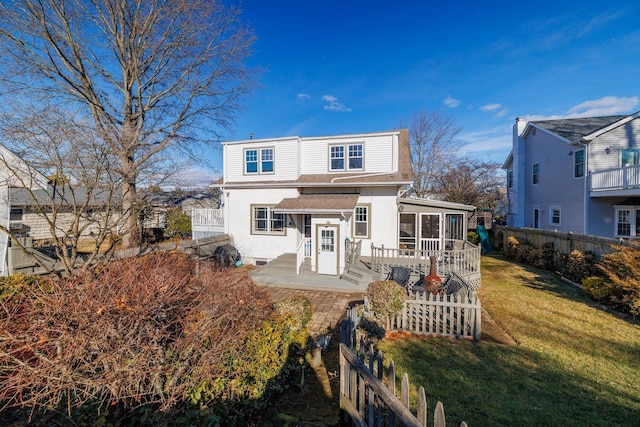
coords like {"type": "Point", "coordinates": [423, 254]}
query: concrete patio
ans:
{"type": "Point", "coordinates": [281, 273]}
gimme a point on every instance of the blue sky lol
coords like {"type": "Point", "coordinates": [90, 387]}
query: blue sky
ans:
{"type": "Point", "coordinates": [352, 66]}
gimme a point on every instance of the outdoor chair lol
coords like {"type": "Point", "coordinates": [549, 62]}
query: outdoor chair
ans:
{"type": "Point", "coordinates": [400, 275]}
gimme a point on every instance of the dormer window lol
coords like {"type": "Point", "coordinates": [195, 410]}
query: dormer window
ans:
{"type": "Point", "coordinates": [259, 160]}
{"type": "Point", "coordinates": [346, 157]}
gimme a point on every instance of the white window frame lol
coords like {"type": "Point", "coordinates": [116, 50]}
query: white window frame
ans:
{"type": "Point", "coordinates": [350, 152]}
{"type": "Point", "coordinates": [357, 219]}
{"type": "Point", "coordinates": [271, 220]}
{"type": "Point", "coordinates": [15, 223]}
{"type": "Point", "coordinates": [633, 221]}
{"type": "Point", "coordinates": [552, 209]}
{"type": "Point", "coordinates": [636, 156]}
{"type": "Point", "coordinates": [263, 157]}
{"type": "Point", "coordinates": [576, 164]}
{"type": "Point", "coordinates": [535, 173]}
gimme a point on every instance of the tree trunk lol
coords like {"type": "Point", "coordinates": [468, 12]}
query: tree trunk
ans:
{"type": "Point", "coordinates": [129, 217]}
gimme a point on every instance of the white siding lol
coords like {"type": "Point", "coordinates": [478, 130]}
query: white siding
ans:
{"type": "Point", "coordinates": [556, 187]}
{"type": "Point", "coordinates": [238, 220]}
{"type": "Point", "coordinates": [380, 152]}
{"type": "Point", "coordinates": [623, 137]}
{"type": "Point", "coordinates": [384, 218]}
{"type": "Point", "coordinates": [285, 159]}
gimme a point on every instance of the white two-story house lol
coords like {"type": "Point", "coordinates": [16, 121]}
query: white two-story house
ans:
{"type": "Point", "coordinates": [309, 195]}
{"type": "Point", "coordinates": [577, 175]}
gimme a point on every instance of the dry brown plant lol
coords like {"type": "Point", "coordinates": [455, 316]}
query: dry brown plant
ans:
{"type": "Point", "coordinates": [141, 331]}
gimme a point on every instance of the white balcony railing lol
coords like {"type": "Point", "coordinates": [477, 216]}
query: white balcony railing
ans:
{"type": "Point", "coordinates": [207, 217]}
{"type": "Point", "coordinates": [624, 178]}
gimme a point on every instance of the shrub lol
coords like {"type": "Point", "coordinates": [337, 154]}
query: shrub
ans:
{"type": "Point", "coordinates": [622, 268]}
{"type": "Point", "coordinates": [511, 247]}
{"type": "Point", "coordinates": [597, 288]}
{"type": "Point", "coordinates": [473, 237]}
{"type": "Point", "coordinates": [578, 265]}
{"type": "Point", "coordinates": [386, 299]}
{"type": "Point", "coordinates": [178, 224]}
{"type": "Point", "coordinates": [145, 341]}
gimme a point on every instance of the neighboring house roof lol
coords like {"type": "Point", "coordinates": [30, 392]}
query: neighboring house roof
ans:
{"type": "Point", "coordinates": [66, 195]}
{"type": "Point", "coordinates": [404, 174]}
{"type": "Point", "coordinates": [576, 129]}
{"type": "Point", "coordinates": [318, 203]}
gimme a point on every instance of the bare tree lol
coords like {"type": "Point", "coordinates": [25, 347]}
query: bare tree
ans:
{"type": "Point", "coordinates": [151, 76]}
{"type": "Point", "coordinates": [432, 137]}
{"type": "Point", "coordinates": [472, 182]}
{"type": "Point", "coordinates": [77, 207]}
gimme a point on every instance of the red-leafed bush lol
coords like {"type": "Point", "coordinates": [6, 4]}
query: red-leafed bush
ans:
{"type": "Point", "coordinates": [136, 340]}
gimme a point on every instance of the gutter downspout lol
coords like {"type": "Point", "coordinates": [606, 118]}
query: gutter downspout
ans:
{"type": "Point", "coordinates": [587, 178]}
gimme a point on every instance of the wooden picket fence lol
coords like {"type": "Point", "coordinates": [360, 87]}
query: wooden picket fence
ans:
{"type": "Point", "coordinates": [456, 315]}
{"type": "Point", "coordinates": [368, 394]}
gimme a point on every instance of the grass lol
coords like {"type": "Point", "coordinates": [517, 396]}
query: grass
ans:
{"type": "Point", "coordinates": [575, 364]}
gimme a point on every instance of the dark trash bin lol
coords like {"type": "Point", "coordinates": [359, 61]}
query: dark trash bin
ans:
{"type": "Point", "coordinates": [226, 255]}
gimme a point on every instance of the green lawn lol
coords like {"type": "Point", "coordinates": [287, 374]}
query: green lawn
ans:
{"type": "Point", "coordinates": [575, 364]}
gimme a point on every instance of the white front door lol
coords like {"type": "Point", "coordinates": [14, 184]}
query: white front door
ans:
{"type": "Point", "coordinates": [327, 244]}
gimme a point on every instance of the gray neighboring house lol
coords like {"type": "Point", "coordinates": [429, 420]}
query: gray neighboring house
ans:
{"type": "Point", "coordinates": [577, 175]}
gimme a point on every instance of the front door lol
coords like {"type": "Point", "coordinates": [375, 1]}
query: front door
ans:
{"type": "Point", "coordinates": [536, 218]}
{"type": "Point", "coordinates": [327, 244]}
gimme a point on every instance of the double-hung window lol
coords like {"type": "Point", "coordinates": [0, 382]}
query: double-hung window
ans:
{"type": "Point", "coordinates": [361, 221]}
{"type": "Point", "coordinates": [623, 222]}
{"type": "Point", "coordinates": [259, 160]}
{"type": "Point", "coordinates": [337, 157]}
{"type": "Point", "coordinates": [535, 173]}
{"type": "Point", "coordinates": [578, 164]}
{"type": "Point", "coordinates": [510, 179]}
{"type": "Point", "coordinates": [346, 157]}
{"type": "Point", "coordinates": [554, 215]}
{"type": "Point", "coordinates": [265, 221]}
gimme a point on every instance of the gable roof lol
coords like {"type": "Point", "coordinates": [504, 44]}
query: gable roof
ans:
{"type": "Point", "coordinates": [576, 129]}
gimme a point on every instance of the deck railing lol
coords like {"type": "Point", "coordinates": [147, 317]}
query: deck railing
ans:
{"type": "Point", "coordinates": [303, 251]}
{"type": "Point", "coordinates": [615, 179]}
{"type": "Point", "coordinates": [353, 250]}
{"type": "Point", "coordinates": [206, 217]}
{"type": "Point", "coordinates": [464, 262]}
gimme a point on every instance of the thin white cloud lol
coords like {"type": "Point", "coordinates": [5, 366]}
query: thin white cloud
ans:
{"type": "Point", "coordinates": [494, 143]}
{"type": "Point", "coordinates": [605, 106]}
{"type": "Point", "coordinates": [451, 102]}
{"type": "Point", "coordinates": [608, 105]}
{"type": "Point", "coordinates": [304, 96]}
{"type": "Point", "coordinates": [490, 107]}
{"type": "Point", "coordinates": [334, 105]}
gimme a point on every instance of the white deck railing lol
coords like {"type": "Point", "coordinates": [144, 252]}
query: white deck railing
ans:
{"type": "Point", "coordinates": [303, 251]}
{"type": "Point", "coordinates": [206, 217]}
{"type": "Point", "coordinates": [464, 262]}
{"type": "Point", "coordinates": [616, 179]}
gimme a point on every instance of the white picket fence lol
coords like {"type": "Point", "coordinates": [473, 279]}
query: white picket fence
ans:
{"type": "Point", "coordinates": [368, 394]}
{"type": "Point", "coordinates": [456, 315]}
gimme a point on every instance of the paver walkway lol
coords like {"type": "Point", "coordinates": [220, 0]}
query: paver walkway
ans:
{"type": "Point", "coordinates": [329, 308]}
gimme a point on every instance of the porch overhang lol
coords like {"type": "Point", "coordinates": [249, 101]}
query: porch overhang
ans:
{"type": "Point", "coordinates": [318, 204]}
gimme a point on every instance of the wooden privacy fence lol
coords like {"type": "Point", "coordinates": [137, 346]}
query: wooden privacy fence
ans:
{"type": "Point", "coordinates": [563, 243]}
{"type": "Point", "coordinates": [368, 395]}
{"type": "Point", "coordinates": [456, 315]}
